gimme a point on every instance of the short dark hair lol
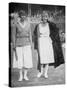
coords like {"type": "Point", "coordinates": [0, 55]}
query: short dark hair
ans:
{"type": "Point", "coordinates": [22, 13]}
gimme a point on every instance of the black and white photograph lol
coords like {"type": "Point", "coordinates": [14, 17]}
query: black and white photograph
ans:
{"type": "Point", "coordinates": [36, 44]}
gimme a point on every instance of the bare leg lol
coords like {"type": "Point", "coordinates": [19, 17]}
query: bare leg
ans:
{"type": "Point", "coordinates": [46, 70]}
{"type": "Point", "coordinates": [25, 74]}
{"type": "Point", "coordinates": [21, 75]}
{"type": "Point", "coordinates": [40, 73]}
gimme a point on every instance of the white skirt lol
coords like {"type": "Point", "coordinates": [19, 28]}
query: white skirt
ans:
{"type": "Point", "coordinates": [24, 55]}
{"type": "Point", "coordinates": [46, 50]}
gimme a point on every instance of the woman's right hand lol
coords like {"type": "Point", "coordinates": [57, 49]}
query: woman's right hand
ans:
{"type": "Point", "coordinates": [13, 46]}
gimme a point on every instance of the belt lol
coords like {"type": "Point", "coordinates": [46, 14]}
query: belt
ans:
{"type": "Point", "coordinates": [43, 36]}
{"type": "Point", "coordinates": [23, 36]}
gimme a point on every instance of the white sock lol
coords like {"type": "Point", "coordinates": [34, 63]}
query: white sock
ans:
{"type": "Point", "coordinates": [20, 76]}
{"type": "Point", "coordinates": [46, 69]}
{"type": "Point", "coordinates": [25, 74]}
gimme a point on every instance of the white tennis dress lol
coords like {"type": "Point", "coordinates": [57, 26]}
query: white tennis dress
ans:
{"type": "Point", "coordinates": [45, 45]}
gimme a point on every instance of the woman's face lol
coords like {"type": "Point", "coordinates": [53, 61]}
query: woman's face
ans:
{"type": "Point", "coordinates": [23, 18]}
{"type": "Point", "coordinates": [45, 17]}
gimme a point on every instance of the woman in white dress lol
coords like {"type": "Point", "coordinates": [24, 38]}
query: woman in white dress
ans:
{"type": "Point", "coordinates": [45, 45]}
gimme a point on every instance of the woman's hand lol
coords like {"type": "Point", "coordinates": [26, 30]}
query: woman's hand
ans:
{"type": "Point", "coordinates": [13, 46]}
